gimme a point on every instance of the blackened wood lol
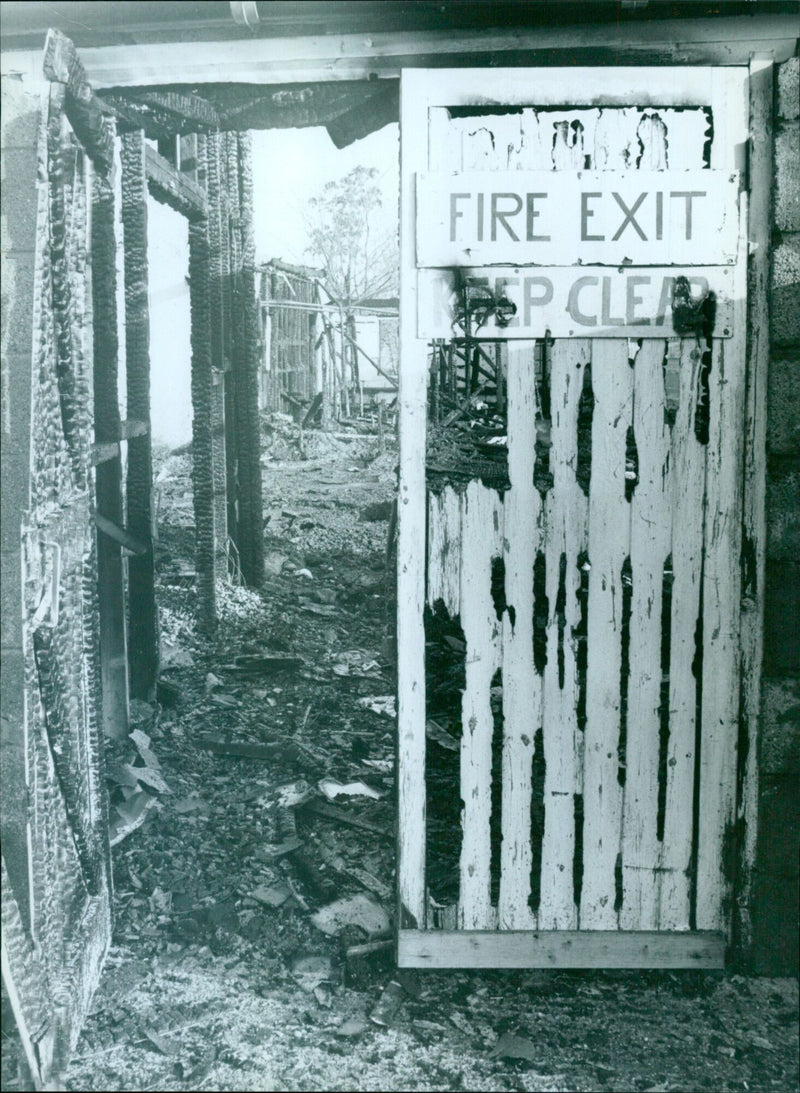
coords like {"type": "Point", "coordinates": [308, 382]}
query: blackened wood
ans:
{"type": "Point", "coordinates": [119, 535]}
{"type": "Point", "coordinates": [172, 187]}
{"type": "Point", "coordinates": [754, 531]}
{"type": "Point", "coordinates": [143, 618]}
{"type": "Point", "coordinates": [202, 431]}
{"type": "Point", "coordinates": [108, 480]}
{"type": "Point", "coordinates": [62, 157]}
{"type": "Point", "coordinates": [207, 159]}
{"type": "Point", "coordinates": [81, 105]}
{"type": "Point", "coordinates": [185, 107]}
{"type": "Point", "coordinates": [251, 537]}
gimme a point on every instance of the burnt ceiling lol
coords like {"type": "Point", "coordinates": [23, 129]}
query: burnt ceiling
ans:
{"type": "Point", "coordinates": [349, 109]}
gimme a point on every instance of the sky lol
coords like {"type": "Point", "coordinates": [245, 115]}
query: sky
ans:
{"type": "Point", "coordinates": [290, 166]}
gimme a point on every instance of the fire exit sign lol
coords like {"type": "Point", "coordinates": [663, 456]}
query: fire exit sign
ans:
{"type": "Point", "coordinates": [565, 218]}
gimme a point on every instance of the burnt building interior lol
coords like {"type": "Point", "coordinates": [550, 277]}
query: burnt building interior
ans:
{"type": "Point", "coordinates": [79, 596]}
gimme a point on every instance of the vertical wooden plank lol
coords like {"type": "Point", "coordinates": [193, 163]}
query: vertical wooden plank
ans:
{"type": "Point", "coordinates": [609, 538]}
{"type": "Point", "coordinates": [522, 691]}
{"type": "Point", "coordinates": [108, 475]}
{"type": "Point", "coordinates": [651, 528]}
{"type": "Point", "coordinates": [721, 594]}
{"type": "Point", "coordinates": [202, 424]}
{"type": "Point", "coordinates": [481, 521]}
{"type": "Point", "coordinates": [251, 530]}
{"type": "Point", "coordinates": [143, 618]}
{"type": "Point", "coordinates": [444, 550]}
{"type": "Point", "coordinates": [688, 460]}
{"type": "Point", "coordinates": [411, 527]}
{"type": "Point", "coordinates": [716, 848]}
{"type": "Point", "coordinates": [206, 148]}
{"type": "Point", "coordinates": [753, 547]}
{"type": "Point", "coordinates": [566, 527]}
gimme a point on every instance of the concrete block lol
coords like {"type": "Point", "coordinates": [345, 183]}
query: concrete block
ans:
{"type": "Point", "coordinates": [781, 612]}
{"type": "Point", "coordinates": [783, 404]}
{"type": "Point", "coordinates": [783, 511]}
{"type": "Point", "coordinates": [785, 317]}
{"type": "Point", "coordinates": [778, 850]}
{"type": "Point", "coordinates": [776, 925]}
{"type": "Point", "coordinates": [787, 172]}
{"type": "Point", "coordinates": [788, 98]}
{"type": "Point", "coordinates": [775, 880]}
{"type": "Point", "coordinates": [779, 749]}
{"type": "Point", "coordinates": [786, 261]}
{"type": "Point", "coordinates": [785, 291]}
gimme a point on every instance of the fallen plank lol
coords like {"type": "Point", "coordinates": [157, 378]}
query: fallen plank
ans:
{"type": "Point", "coordinates": [262, 665]}
{"type": "Point", "coordinates": [242, 751]}
{"type": "Point", "coordinates": [338, 815]}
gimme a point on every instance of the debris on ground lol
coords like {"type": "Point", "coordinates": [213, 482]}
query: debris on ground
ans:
{"type": "Point", "coordinates": [254, 828]}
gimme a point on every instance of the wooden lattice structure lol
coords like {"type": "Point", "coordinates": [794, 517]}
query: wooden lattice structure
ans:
{"type": "Point", "coordinates": [594, 591]}
{"type": "Point", "coordinates": [312, 345]}
{"type": "Point", "coordinates": [289, 297]}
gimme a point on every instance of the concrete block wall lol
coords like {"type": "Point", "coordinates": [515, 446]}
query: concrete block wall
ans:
{"type": "Point", "coordinates": [776, 885]}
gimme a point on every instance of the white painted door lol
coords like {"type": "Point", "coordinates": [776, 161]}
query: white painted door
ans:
{"type": "Point", "coordinates": [593, 223]}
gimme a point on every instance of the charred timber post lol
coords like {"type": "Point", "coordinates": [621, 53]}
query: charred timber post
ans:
{"type": "Point", "coordinates": [251, 545]}
{"type": "Point", "coordinates": [143, 618]}
{"type": "Point", "coordinates": [108, 483]}
{"type": "Point", "coordinates": [225, 304]}
{"type": "Point", "coordinates": [202, 422]}
{"type": "Point", "coordinates": [209, 146]}
{"type": "Point", "coordinates": [82, 107]}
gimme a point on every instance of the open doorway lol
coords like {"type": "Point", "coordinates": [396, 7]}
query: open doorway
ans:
{"type": "Point", "coordinates": [170, 393]}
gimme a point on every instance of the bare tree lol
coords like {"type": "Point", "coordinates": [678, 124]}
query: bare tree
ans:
{"type": "Point", "coordinates": [346, 232]}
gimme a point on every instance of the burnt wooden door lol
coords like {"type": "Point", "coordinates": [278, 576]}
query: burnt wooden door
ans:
{"type": "Point", "coordinates": [56, 881]}
{"type": "Point", "coordinates": [589, 586]}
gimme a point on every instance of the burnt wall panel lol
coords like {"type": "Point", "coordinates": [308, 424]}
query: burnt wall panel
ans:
{"type": "Point", "coordinates": [246, 362]}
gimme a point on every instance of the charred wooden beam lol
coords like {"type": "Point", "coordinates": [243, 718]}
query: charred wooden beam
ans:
{"type": "Point", "coordinates": [217, 291]}
{"type": "Point", "coordinates": [381, 108]}
{"type": "Point", "coordinates": [186, 108]}
{"type": "Point", "coordinates": [83, 108]}
{"type": "Point", "coordinates": [119, 535]}
{"type": "Point", "coordinates": [202, 423]}
{"type": "Point", "coordinates": [170, 186]}
{"type": "Point", "coordinates": [143, 619]}
{"type": "Point", "coordinates": [251, 538]}
{"type": "Point", "coordinates": [107, 457]}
